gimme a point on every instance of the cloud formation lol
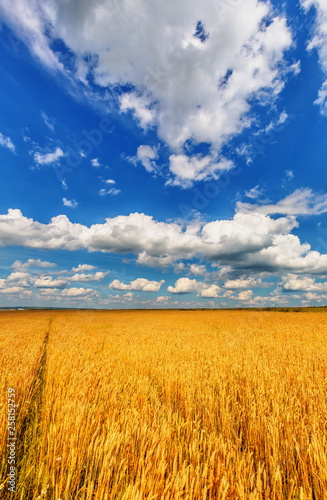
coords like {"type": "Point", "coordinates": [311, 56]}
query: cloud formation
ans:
{"type": "Point", "coordinates": [319, 43]}
{"type": "Point", "coordinates": [139, 285]}
{"type": "Point", "coordinates": [302, 202]}
{"type": "Point", "coordinates": [82, 267]}
{"type": "Point", "coordinates": [147, 156]}
{"type": "Point", "coordinates": [48, 158]}
{"type": "Point", "coordinates": [186, 285]}
{"type": "Point", "coordinates": [18, 265]}
{"type": "Point", "coordinates": [6, 142]}
{"type": "Point", "coordinates": [248, 241]}
{"type": "Point", "coordinates": [193, 73]}
{"type": "Point", "coordinates": [69, 203]}
{"type": "Point", "coordinates": [79, 292]}
{"type": "Point", "coordinates": [186, 170]}
{"type": "Point", "coordinates": [293, 283]}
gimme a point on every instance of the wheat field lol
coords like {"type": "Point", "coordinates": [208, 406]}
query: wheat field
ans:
{"type": "Point", "coordinates": [135, 405]}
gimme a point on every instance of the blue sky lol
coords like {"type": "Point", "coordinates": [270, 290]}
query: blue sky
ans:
{"type": "Point", "coordinates": [159, 156]}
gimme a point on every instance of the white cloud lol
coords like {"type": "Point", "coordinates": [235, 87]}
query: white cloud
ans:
{"type": "Point", "coordinates": [293, 283]}
{"type": "Point", "coordinates": [245, 296]}
{"type": "Point", "coordinates": [316, 297]}
{"type": "Point", "coordinates": [140, 285]}
{"type": "Point", "coordinates": [110, 181]}
{"type": "Point", "coordinates": [186, 285]}
{"type": "Point", "coordinates": [48, 121]}
{"type": "Point", "coordinates": [248, 241]}
{"type": "Point", "coordinates": [319, 42]}
{"type": "Point", "coordinates": [163, 299]}
{"type": "Point", "coordinates": [147, 155]}
{"type": "Point", "coordinates": [144, 259]}
{"type": "Point", "coordinates": [18, 278]}
{"type": "Point", "coordinates": [189, 169]}
{"type": "Point", "coordinates": [210, 291]}
{"type": "Point", "coordinates": [127, 297]}
{"type": "Point", "coordinates": [39, 286]}
{"type": "Point", "coordinates": [28, 21]}
{"type": "Point", "coordinates": [49, 282]}
{"type": "Point", "coordinates": [48, 158]}
{"type": "Point", "coordinates": [82, 277]}
{"type": "Point", "coordinates": [69, 203]}
{"type": "Point", "coordinates": [82, 267]}
{"type": "Point", "coordinates": [301, 202]}
{"type": "Point", "coordinates": [240, 283]}
{"type": "Point", "coordinates": [193, 91]}
{"type": "Point", "coordinates": [6, 142]}
{"type": "Point", "coordinates": [111, 192]}
{"type": "Point", "coordinates": [140, 105]}
{"type": "Point", "coordinates": [79, 293]}
{"type": "Point", "coordinates": [95, 162]}
{"type": "Point", "coordinates": [198, 270]}
{"type": "Point", "coordinates": [276, 123]}
{"type": "Point", "coordinates": [254, 193]}
{"type": "Point", "coordinates": [10, 290]}
{"type": "Point", "coordinates": [18, 265]}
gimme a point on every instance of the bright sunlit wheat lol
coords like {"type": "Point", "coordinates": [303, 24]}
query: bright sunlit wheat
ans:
{"type": "Point", "coordinates": [168, 405]}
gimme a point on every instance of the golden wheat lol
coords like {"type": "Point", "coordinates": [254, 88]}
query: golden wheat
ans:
{"type": "Point", "coordinates": [170, 404]}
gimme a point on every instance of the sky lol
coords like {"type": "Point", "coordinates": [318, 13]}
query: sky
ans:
{"type": "Point", "coordinates": [163, 155]}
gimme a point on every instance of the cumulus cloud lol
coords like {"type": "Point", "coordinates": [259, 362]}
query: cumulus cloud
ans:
{"type": "Point", "coordinates": [198, 270]}
{"type": "Point", "coordinates": [302, 202]}
{"type": "Point", "coordinates": [82, 267]}
{"type": "Point", "coordinates": [140, 106]}
{"type": "Point", "coordinates": [18, 278]}
{"type": "Point", "coordinates": [240, 283]}
{"type": "Point", "coordinates": [49, 282]}
{"type": "Point", "coordinates": [139, 285]}
{"type": "Point", "coordinates": [79, 293]}
{"type": "Point", "coordinates": [210, 291]}
{"type": "Point", "coordinates": [18, 265]}
{"type": "Point", "coordinates": [48, 158]}
{"type": "Point", "coordinates": [186, 285]}
{"type": "Point", "coordinates": [69, 203]}
{"type": "Point", "coordinates": [186, 170]}
{"type": "Point", "coordinates": [82, 277]}
{"type": "Point", "coordinates": [193, 72]}
{"type": "Point", "coordinates": [41, 286]}
{"type": "Point", "coordinates": [6, 142]}
{"type": "Point", "coordinates": [163, 299]}
{"type": "Point", "coordinates": [245, 296]}
{"type": "Point", "coordinates": [248, 241]}
{"type": "Point", "coordinates": [293, 283]}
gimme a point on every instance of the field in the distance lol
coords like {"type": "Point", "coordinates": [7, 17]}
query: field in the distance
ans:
{"type": "Point", "coordinates": [166, 404]}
